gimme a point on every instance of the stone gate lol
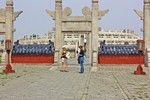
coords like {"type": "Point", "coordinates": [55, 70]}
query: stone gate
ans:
{"type": "Point", "coordinates": [81, 24]}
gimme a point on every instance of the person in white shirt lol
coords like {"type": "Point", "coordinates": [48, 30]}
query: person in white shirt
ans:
{"type": "Point", "coordinates": [64, 60]}
{"type": "Point", "coordinates": [78, 53]}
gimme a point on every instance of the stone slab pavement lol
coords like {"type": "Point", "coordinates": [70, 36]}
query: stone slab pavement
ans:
{"type": "Point", "coordinates": [109, 82]}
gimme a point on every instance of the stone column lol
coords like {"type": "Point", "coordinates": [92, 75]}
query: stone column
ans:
{"type": "Point", "coordinates": [87, 44]}
{"type": "Point", "coordinates": [9, 22]}
{"type": "Point", "coordinates": [147, 31]}
{"type": "Point", "coordinates": [76, 49]}
{"type": "Point", "coordinates": [58, 31]}
{"type": "Point", "coordinates": [90, 48]}
{"type": "Point", "coordinates": [81, 40]}
{"type": "Point", "coordinates": [94, 35]}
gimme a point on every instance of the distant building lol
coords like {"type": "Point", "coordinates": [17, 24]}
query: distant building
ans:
{"type": "Point", "coordinates": [118, 36]}
{"type": "Point", "coordinates": [71, 40]}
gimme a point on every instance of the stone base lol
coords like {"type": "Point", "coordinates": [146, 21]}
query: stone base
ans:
{"type": "Point", "coordinates": [94, 69]}
{"type": "Point", "coordinates": [95, 59]}
{"type": "Point", "coordinates": [4, 57]}
{"type": "Point", "coordinates": [54, 68]}
{"type": "Point", "coordinates": [56, 57]}
{"type": "Point", "coordinates": [147, 58]}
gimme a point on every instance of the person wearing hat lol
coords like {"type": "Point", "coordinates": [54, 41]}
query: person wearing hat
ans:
{"type": "Point", "coordinates": [63, 60]}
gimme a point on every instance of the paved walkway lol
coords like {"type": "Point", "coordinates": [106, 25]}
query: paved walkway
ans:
{"type": "Point", "coordinates": [44, 82]}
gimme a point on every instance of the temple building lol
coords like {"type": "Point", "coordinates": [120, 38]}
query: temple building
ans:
{"type": "Point", "coordinates": [71, 40]}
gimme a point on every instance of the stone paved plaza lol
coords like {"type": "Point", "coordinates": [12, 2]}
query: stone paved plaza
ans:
{"type": "Point", "coordinates": [46, 82]}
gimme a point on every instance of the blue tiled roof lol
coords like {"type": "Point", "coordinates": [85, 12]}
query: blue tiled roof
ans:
{"type": "Point", "coordinates": [33, 49]}
{"type": "Point", "coordinates": [118, 49]}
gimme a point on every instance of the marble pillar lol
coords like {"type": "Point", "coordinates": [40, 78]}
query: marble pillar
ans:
{"type": "Point", "coordinates": [9, 20]}
{"type": "Point", "coordinates": [81, 40]}
{"type": "Point", "coordinates": [9, 23]}
{"type": "Point", "coordinates": [58, 35]}
{"type": "Point", "coordinates": [87, 44]}
{"type": "Point", "coordinates": [94, 35]}
{"type": "Point", "coordinates": [147, 31]}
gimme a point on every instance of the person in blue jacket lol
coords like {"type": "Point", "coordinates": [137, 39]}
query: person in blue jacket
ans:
{"type": "Point", "coordinates": [81, 58]}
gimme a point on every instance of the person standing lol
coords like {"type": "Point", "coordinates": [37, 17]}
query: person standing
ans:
{"type": "Point", "coordinates": [78, 52]}
{"type": "Point", "coordinates": [81, 58]}
{"type": "Point", "coordinates": [63, 60]}
{"type": "Point", "coordinates": [85, 45]}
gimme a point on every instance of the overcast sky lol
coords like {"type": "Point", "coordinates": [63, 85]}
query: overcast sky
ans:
{"type": "Point", "coordinates": [35, 20]}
